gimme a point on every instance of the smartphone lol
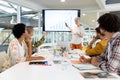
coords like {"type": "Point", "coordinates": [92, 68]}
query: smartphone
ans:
{"type": "Point", "coordinates": [39, 62]}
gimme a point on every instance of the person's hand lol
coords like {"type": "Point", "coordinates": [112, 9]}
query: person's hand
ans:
{"type": "Point", "coordinates": [44, 34]}
{"type": "Point", "coordinates": [93, 40]}
{"type": "Point", "coordinates": [39, 58]}
{"type": "Point", "coordinates": [35, 58]}
{"type": "Point", "coordinates": [94, 61]}
{"type": "Point", "coordinates": [28, 38]}
{"type": "Point", "coordinates": [28, 41]}
{"type": "Point", "coordinates": [84, 60]}
{"type": "Point", "coordinates": [75, 33]}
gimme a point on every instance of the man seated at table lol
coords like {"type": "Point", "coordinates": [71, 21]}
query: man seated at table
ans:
{"type": "Point", "coordinates": [99, 47]}
{"type": "Point", "coordinates": [109, 60]}
{"type": "Point", "coordinates": [16, 49]}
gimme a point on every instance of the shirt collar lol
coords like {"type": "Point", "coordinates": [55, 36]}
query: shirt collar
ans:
{"type": "Point", "coordinates": [115, 34]}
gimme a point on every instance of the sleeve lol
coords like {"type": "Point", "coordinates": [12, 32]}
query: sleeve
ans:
{"type": "Point", "coordinates": [113, 62]}
{"type": "Point", "coordinates": [97, 50]}
{"type": "Point", "coordinates": [14, 53]}
{"type": "Point", "coordinates": [82, 30]}
{"type": "Point", "coordinates": [38, 43]}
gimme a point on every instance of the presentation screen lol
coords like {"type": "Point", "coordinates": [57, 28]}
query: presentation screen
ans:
{"type": "Point", "coordinates": [54, 20]}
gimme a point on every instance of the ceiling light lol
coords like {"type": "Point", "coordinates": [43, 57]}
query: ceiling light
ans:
{"type": "Point", "coordinates": [93, 20]}
{"type": "Point", "coordinates": [83, 14]}
{"type": "Point", "coordinates": [62, 0]}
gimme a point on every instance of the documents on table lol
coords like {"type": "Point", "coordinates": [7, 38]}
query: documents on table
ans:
{"type": "Point", "coordinates": [84, 66]}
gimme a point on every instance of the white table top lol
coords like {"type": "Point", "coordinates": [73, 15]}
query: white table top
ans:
{"type": "Point", "coordinates": [24, 71]}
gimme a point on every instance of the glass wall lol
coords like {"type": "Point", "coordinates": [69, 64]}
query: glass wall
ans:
{"type": "Point", "coordinates": [29, 17]}
{"type": "Point", "coordinates": [8, 14]}
{"type": "Point", "coordinates": [55, 37]}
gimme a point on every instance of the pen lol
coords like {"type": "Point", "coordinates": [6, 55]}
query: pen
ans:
{"type": "Point", "coordinates": [75, 67]}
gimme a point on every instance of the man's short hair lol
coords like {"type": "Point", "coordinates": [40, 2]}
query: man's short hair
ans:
{"type": "Point", "coordinates": [109, 22]}
{"type": "Point", "coordinates": [18, 30]}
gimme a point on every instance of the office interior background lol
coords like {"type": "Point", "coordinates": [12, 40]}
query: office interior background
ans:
{"type": "Point", "coordinates": [30, 13]}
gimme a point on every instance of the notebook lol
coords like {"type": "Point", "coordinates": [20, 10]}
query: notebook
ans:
{"type": "Point", "coordinates": [98, 75]}
{"type": "Point", "coordinates": [85, 66]}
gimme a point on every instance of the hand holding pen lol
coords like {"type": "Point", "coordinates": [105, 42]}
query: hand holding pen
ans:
{"type": "Point", "coordinates": [84, 60]}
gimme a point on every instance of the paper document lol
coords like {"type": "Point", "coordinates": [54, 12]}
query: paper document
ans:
{"type": "Point", "coordinates": [84, 66]}
{"type": "Point", "coordinates": [98, 75]}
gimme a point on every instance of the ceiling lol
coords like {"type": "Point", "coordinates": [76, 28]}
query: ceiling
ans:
{"type": "Point", "coordinates": [56, 4]}
{"type": "Point", "coordinates": [112, 1]}
{"type": "Point", "coordinates": [69, 4]}
{"type": "Point", "coordinates": [91, 8]}
{"type": "Point", "coordinates": [89, 19]}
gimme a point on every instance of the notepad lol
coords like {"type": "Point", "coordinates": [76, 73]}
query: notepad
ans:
{"type": "Point", "coordinates": [84, 66]}
{"type": "Point", "coordinates": [98, 75]}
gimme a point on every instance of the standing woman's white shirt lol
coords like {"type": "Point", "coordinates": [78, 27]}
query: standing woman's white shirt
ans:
{"type": "Point", "coordinates": [75, 38]}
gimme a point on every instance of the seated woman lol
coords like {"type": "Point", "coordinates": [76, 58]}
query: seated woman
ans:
{"type": "Point", "coordinates": [28, 40]}
{"type": "Point", "coordinates": [16, 49]}
{"type": "Point", "coordinates": [99, 47]}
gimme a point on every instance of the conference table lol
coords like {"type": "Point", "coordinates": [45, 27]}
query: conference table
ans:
{"type": "Point", "coordinates": [52, 71]}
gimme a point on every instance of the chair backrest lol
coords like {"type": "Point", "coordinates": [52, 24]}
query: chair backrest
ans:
{"type": "Point", "coordinates": [3, 48]}
{"type": "Point", "coordinates": [5, 62]}
{"type": "Point", "coordinates": [64, 45]}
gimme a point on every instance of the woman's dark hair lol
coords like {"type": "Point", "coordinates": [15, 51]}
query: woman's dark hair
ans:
{"type": "Point", "coordinates": [98, 31]}
{"type": "Point", "coordinates": [109, 22]}
{"type": "Point", "coordinates": [18, 30]}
